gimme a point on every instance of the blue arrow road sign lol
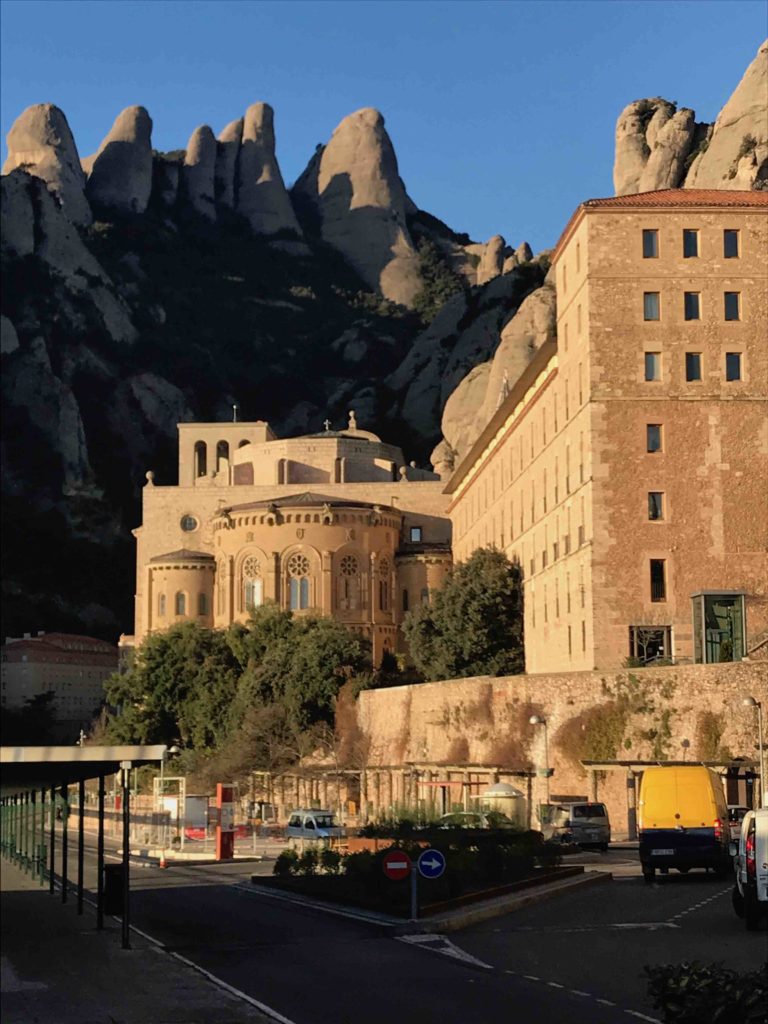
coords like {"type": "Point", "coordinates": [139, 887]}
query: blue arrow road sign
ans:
{"type": "Point", "coordinates": [431, 864]}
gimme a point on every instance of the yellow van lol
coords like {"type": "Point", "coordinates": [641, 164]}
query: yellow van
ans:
{"type": "Point", "coordinates": [683, 820]}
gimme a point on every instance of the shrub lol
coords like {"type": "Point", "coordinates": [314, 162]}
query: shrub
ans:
{"type": "Point", "coordinates": [330, 861]}
{"type": "Point", "coordinates": [689, 993]}
{"type": "Point", "coordinates": [286, 864]}
{"type": "Point", "coordinates": [308, 861]}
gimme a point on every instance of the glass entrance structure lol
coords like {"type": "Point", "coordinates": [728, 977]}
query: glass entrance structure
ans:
{"type": "Point", "coordinates": [718, 626]}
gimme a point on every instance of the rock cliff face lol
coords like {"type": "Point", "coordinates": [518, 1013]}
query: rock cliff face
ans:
{"type": "Point", "coordinates": [261, 195]}
{"type": "Point", "coordinates": [41, 143]}
{"type": "Point", "coordinates": [199, 170]}
{"type": "Point", "coordinates": [658, 146]}
{"type": "Point", "coordinates": [737, 154]}
{"type": "Point", "coordinates": [356, 189]}
{"type": "Point", "coordinates": [120, 176]}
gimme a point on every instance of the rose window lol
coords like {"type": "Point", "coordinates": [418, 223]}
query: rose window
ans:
{"type": "Point", "coordinates": [298, 565]}
{"type": "Point", "coordinates": [251, 568]}
{"type": "Point", "coordinates": [349, 565]}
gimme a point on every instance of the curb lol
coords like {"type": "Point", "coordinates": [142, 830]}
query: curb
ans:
{"type": "Point", "coordinates": [453, 921]}
{"type": "Point", "coordinates": [450, 921]}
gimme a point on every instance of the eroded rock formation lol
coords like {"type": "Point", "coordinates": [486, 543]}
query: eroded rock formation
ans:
{"type": "Point", "coordinates": [41, 143]}
{"type": "Point", "coordinates": [120, 176]}
{"type": "Point", "coordinates": [198, 171]}
{"type": "Point", "coordinates": [261, 194]}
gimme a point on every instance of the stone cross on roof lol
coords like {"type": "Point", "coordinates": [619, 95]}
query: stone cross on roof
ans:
{"type": "Point", "coordinates": [352, 420]}
{"type": "Point", "coordinates": [327, 425]}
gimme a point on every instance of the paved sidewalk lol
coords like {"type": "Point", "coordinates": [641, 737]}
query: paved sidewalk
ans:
{"type": "Point", "coordinates": [56, 968]}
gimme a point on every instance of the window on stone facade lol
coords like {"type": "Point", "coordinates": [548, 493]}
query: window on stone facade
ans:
{"type": "Point", "coordinates": [161, 605]}
{"type": "Point", "coordinates": [653, 366]}
{"type": "Point", "coordinates": [425, 595]}
{"type": "Point", "coordinates": [298, 586]}
{"type": "Point", "coordinates": [730, 244]}
{"type": "Point", "coordinates": [415, 534]}
{"type": "Point", "coordinates": [732, 304]}
{"type": "Point", "coordinates": [546, 609]}
{"type": "Point", "coordinates": [583, 636]}
{"type": "Point", "coordinates": [188, 523]}
{"type": "Point", "coordinates": [690, 243]}
{"type": "Point", "coordinates": [568, 594]}
{"type": "Point", "coordinates": [651, 306]}
{"type": "Point", "coordinates": [649, 644]}
{"type": "Point", "coordinates": [181, 604]}
{"type": "Point", "coordinates": [693, 366]}
{"type": "Point", "coordinates": [202, 604]}
{"type": "Point", "coordinates": [570, 641]}
{"type": "Point", "coordinates": [253, 593]}
{"type": "Point", "coordinates": [650, 243]}
{"type": "Point", "coordinates": [655, 505]}
{"type": "Point", "coordinates": [201, 458]}
{"type": "Point", "coordinates": [733, 365]}
{"type": "Point", "coordinates": [405, 600]}
{"type": "Point", "coordinates": [578, 257]}
{"type": "Point", "coordinates": [718, 627]}
{"type": "Point", "coordinates": [692, 305]}
{"type": "Point", "coordinates": [658, 573]}
{"type": "Point", "coordinates": [653, 437]}
{"type": "Point", "coordinates": [384, 584]}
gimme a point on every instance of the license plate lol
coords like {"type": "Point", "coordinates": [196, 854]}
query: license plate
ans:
{"type": "Point", "coordinates": [662, 853]}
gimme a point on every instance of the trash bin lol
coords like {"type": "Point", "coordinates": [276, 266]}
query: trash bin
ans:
{"type": "Point", "coordinates": [113, 888]}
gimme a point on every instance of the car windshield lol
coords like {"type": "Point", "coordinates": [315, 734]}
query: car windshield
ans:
{"type": "Point", "coordinates": [588, 811]}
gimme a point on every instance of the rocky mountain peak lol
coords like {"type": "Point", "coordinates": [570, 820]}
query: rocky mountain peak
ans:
{"type": "Point", "coordinates": [40, 142]}
{"type": "Point", "coordinates": [261, 194]}
{"type": "Point", "coordinates": [120, 175]}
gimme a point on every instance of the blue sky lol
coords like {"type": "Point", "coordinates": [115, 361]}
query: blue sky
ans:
{"type": "Point", "coordinates": [502, 114]}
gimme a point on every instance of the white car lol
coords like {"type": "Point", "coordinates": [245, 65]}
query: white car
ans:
{"type": "Point", "coordinates": [750, 861]}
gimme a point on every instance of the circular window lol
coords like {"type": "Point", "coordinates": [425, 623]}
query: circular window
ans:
{"type": "Point", "coordinates": [251, 568]}
{"type": "Point", "coordinates": [349, 565]}
{"type": "Point", "coordinates": [298, 565]}
{"type": "Point", "coordinates": [188, 523]}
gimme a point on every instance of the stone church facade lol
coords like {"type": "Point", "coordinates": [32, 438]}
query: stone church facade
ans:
{"type": "Point", "coordinates": [334, 523]}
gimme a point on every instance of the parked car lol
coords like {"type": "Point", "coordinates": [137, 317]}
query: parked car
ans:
{"type": "Point", "coordinates": [476, 819]}
{"type": "Point", "coordinates": [683, 820]}
{"type": "Point", "coordinates": [585, 824]}
{"type": "Point", "coordinates": [313, 824]}
{"type": "Point", "coordinates": [735, 817]}
{"type": "Point", "coordinates": [750, 861]}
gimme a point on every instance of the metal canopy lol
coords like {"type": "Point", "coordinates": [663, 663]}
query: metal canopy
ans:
{"type": "Point", "coordinates": [27, 768]}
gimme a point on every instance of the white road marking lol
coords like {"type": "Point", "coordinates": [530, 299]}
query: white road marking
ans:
{"type": "Point", "coordinates": [439, 944]}
{"type": "Point", "coordinates": [531, 977]}
{"type": "Point", "coordinates": [605, 1002]}
{"type": "Point", "coordinates": [643, 1016]}
{"type": "Point", "coordinates": [578, 992]}
{"type": "Point", "coordinates": [554, 984]}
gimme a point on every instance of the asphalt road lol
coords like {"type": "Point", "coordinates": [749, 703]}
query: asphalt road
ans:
{"type": "Point", "coordinates": [577, 958]}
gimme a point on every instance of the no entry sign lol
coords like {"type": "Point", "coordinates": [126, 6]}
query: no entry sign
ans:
{"type": "Point", "coordinates": [396, 865]}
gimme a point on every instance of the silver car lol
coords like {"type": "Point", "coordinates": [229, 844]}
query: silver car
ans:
{"type": "Point", "coordinates": [585, 824]}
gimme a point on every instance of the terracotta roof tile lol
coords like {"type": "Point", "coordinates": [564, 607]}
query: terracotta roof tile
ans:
{"type": "Point", "coordinates": [684, 197]}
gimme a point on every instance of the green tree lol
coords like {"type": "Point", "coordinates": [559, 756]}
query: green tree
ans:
{"type": "Point", "coordinates": [439, 282]}
{"type": "Point", "coordinates": [474, 625]}
{"type": "Point", "coordinates": [180, 687]}
{"type": "Point", "coordinates": [33, 724]}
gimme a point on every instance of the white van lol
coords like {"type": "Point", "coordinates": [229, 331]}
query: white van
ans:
{"type": "Point", "coordinates": [313, 824]}
{"type": "Point", "coordinates": [750, 861]}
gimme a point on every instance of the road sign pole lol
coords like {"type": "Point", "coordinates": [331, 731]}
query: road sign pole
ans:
{"type": "Point", "coordinates": [414, 892]}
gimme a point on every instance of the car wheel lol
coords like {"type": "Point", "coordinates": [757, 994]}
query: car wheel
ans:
{"type": "Point", "coordinates": [648, 875]}
{"type": "Point", "coordinates": [738, 902]}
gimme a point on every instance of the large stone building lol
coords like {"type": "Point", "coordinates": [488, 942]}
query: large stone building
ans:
{"type": "Point", "coordinates": [336, 523]}
{"type": "Point", "coordinates": [627, 470]}
{"type": "Point", "coordinates": [72, 668]}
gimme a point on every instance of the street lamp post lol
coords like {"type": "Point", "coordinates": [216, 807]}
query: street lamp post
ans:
{"type": "Point", "coordinates": [750, 702]}
{"type": "Point", "coordinates": [538, 720]}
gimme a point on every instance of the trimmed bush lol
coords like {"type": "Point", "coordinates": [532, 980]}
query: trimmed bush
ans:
{"type": "Point", "coordinates": [691, 993]}
{"type": "Point", "coordinates": [286, 864]}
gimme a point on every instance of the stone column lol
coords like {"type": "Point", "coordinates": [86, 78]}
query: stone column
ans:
{"type": "Point", "coordinates": [230, 608]}
{"type": "Point", "coordinates": [272, 577]}
{"type": "Point", "coordinates": [326, 583]}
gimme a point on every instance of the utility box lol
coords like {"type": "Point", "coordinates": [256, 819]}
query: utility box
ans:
{"type": "Point", "coordinates": [113, 888]}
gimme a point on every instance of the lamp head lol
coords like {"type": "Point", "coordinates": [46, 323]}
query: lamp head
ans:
{"type": "Point", "coordinates": [537, 720]}
{"type": "Point", "coordinates": [750, 702]}
{"type": "Point", "coordinates": [173, 750]}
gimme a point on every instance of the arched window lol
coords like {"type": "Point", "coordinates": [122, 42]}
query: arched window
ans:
{"type": "Point", "coordinates": [252, 584]}
{"type": "Point", "coordinates": [298, 586]}
{"type": "Point", "coordinates": [201, 458]}
{"type": "Point", "coordinates": [161, 605]}
{"type": "Point", "coordinates": [222, 453]}
{"type": "Point", "coordinates": [202, 604]}
{"type": "Point", "coordinates": [181, 603]}
{"type": "Point", "coordinates": [243, 444]}
{"type": "Point", "coordinates": [349, 583]}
